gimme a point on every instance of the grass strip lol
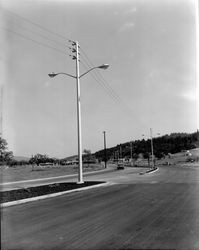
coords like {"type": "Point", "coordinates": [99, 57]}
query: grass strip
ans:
{"type": "Point", "coordinates": [18, 194]}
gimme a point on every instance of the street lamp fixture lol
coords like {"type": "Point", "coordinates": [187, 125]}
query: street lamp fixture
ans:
{"type": "Point", "coordinates": [103, 66]}
{"type": "Point", "coordinates": [77, 77]}
{"type": "Point", "coordinates": [52, 75]}
{"type": "Point", "coordinates": [61, 73]}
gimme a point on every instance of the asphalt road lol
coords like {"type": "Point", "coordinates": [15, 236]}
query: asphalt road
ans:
{"type": "Point", "coordinates": [151, 211]}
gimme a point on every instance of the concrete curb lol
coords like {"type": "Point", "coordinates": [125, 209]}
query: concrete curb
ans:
{"type": "Point", "coordinates": [149, 172]}
{"type": "Point", "coordinates": [42, 197]}
{"type": "Point", "coordinates": [153, 171]}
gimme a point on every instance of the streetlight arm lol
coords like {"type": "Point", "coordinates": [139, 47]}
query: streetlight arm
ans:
{"type": "Point", "coordinates": [103, 66]}
{"type": "Point", "coordinates": [61, 73]}
{"type": "Point", "coordinates": [88, 71]}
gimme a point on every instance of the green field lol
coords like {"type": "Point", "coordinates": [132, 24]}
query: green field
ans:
{"type": "Point", "coordinates": [27, 172]}
{"type": "Point", "coordinates": [182, 159]}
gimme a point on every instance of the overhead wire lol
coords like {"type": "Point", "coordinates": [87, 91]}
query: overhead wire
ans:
{"type": "Point", "coordinates": [39, 26]}
{"type": "Point", "coordinates": [93, 74]}
{"type": "Point", "coordinates": [33, 40]}
{"type": "Point", "coordinates": [85, 59]}
{"type": "Point", "coordinates": [43, 36]}
{"type": "Point", "coordinates": [100, 79]}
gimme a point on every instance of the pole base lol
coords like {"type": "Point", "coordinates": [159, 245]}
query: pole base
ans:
{"type": "Point", "coordinates": [80, 182]}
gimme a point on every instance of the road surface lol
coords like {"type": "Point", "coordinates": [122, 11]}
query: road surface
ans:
{"type": "Point", "coordinates": [150, 211]}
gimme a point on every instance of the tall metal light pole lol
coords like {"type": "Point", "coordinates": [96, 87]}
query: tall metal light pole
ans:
{"type": "Point", "coordinates": [77, 77]}
{"type": "Point", "coordinates": [1, 111]}
{"type": "Point", "coordinates": [105, 155]}
{"type": "Point", "coordinates": [79, 125]}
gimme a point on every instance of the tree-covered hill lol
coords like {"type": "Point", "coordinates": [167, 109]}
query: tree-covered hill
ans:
{"type": "Point", "coordinates": [163, 145]}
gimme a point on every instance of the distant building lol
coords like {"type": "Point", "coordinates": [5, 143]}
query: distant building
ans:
{"type": "Point", "coordinates": [188, 153]}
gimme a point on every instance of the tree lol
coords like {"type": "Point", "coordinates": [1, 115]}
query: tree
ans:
{"type": "Point", "coordinates": [146, 155]}
{"type": "Point", "coordinates": [135, 157]}
{"type": "Point", "coordinates": [87, 151]}
{"type": "Point", "coordinates": [38, 158]}
{"type": "Point", "coordinates": [5, 155]}
{"type": "Point", "coordinates": [88, 157]}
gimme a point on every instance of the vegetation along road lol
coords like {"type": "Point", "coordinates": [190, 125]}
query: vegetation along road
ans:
{"type": "Point", "coordinates": [150, 211]}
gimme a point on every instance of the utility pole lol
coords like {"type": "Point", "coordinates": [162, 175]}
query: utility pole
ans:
{"type": "Point", "coordinates": [120, 151]}
{"type": "Point", "coordinates": [75, 50]}
{"type": "Point", "coordinates": [152, 155]}
{"type": "Point", "coordinates": [131, 151]}
{"type": "Point", "coordinates": [105, 156]}
{"type": "Point", "coordinates": [1, 111]}
{"type": "Point", "coordinates": [79, 132]}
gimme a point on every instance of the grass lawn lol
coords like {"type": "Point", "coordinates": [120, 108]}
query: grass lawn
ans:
{"type": "Point", "coordinates": [181, 159]}
{"type": "Point", "coordinates": [30, 192]}
{"type": "Point", "coordinates": [27, 172]}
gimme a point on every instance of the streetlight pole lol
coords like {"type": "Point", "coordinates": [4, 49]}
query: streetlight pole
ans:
{"type": "Point", "coordinates": [105, 156]}
{"type": "Point", "coordinates": [1, 111]}
{"type": "Point", "coordinates": [79, 130]}
{"type": "Point", "coordinates": [77, 77]}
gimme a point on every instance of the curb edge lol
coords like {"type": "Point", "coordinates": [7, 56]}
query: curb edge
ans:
{"type": "Point", "coordinates": [42, 197]}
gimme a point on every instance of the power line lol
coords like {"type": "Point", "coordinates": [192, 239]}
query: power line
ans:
{"type": "Point", "coordinates": [35, 41]}
{"type": "Point", "coordinates": [96, 75]}
{"type": "Point", "coordinates": [101, 84]}
{"type": "Point", "coordinates": [38, 25]}
{"type": "Point", "coordinates": [101, 79]}
{"type": "Point", "coordinates": [109, 90]}
{"type": "Point", "coordinates": [45, 37]}
{"type": "Point", "coordinates": [105, 87]}
{"type": "Point", "coordinates": [109, 87]}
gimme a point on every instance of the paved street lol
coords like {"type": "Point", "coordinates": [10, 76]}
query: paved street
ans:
{"type": "Point", "coordinates": [150, 211]}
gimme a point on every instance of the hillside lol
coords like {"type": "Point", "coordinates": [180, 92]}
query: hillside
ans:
{"type": "Point", "coordinates": [163, 145]}
{"type": "Point", "coordinates": [21, 158]}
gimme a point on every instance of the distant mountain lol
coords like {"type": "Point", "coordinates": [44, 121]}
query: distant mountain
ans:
{"type": "Point", "coordinates": [70, 158]}
{"type": "Point", "coordinates": [21, 158]}
{"type": "Point", "coordinates": [162, 145]}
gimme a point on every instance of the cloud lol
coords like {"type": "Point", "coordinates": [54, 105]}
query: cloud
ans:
{"type": "Point", "coordinates": [189, 96]}
{"type": "Point", "coordinates": [127, 26]}
{"type": "Point", "coordinates": [131, 10]}
{"type": "Point", "coordinates": [46, 84]}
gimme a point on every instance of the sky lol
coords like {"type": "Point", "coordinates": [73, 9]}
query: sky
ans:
{"type": "Point", "coordinates": [152, 81]}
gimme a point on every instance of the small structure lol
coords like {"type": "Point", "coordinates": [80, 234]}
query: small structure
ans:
{"type": "Point", "coordinates": [188, 153]}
